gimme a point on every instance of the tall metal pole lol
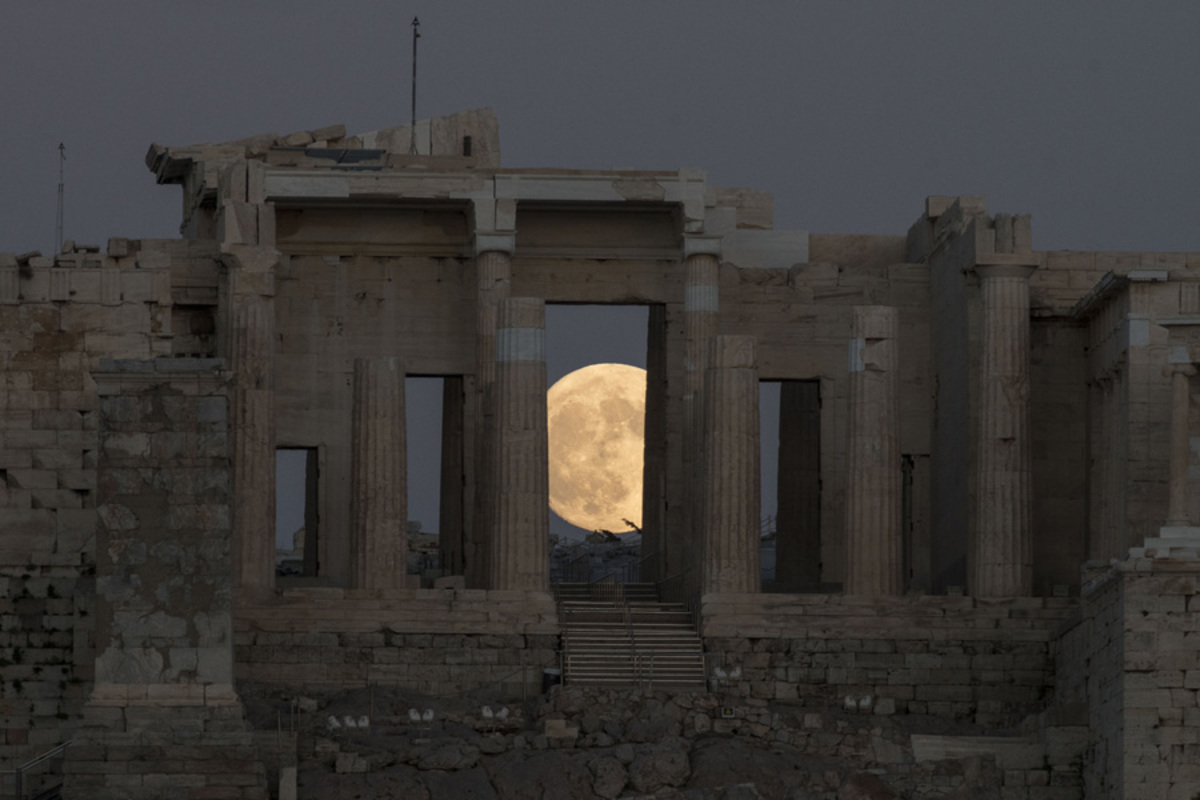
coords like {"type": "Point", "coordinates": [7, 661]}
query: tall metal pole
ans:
{"type": "Point", "coordinates": [412, 131]}
{"type": "Point", "coordinates": [58, 222]}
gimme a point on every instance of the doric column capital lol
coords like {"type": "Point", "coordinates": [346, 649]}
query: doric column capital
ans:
{"type": "Point", "coordinates": [495, 241]}
{"type": "Point", "coordinates": [697, 245]}
{"type": "Point", "coordinates": [1005, 270]}
{"type": "Point", "coordinates": [1185, 369]}
{"type": "Point", "coordinates": [251, 269]}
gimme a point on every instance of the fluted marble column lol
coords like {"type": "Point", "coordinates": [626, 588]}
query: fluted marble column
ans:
{"type": "Point", "coordinates": [378, 476]}
{"type": "Point", "coordinates": [1002, 555]}
{"type": "Point", "coordinates": [494, 281]}
{"type": "Point", "coordinates": [798, 522]}
{"type": "Point", "coordinates": [251, 348]}
{"type": "Point", "coordinates": [521, 527]}
{"type": "Point", "coordinates": [701, 306]}
{"type": "Point", "coordinates": [1177, 509]}
{"type": "Point", "coordinates": [874, 561]}
{"type": "Point", "coordinates": [450, 511]}
{"type": "Point", "coordinates": [729, 499]}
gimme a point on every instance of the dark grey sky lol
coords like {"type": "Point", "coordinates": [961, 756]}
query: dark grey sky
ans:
{"type": "Point", "coordinates": [1084, 114]}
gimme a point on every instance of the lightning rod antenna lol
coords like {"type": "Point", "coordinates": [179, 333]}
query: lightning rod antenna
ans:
{"type": "Point", "coordinates": [412, 131]}
{"type": "Point", "coordinates": [58, 223]}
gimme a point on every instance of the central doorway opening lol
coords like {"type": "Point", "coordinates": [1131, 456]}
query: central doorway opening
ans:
{"type": "Point", "coordinates": [578, 337]}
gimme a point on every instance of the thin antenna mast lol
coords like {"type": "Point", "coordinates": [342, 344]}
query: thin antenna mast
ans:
{"type": "Point", "coordinates": [412, 131]}
{"type": "Point", "coordinates": [58, 223]}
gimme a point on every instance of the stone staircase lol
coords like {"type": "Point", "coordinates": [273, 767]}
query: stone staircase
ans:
{"type": "Point", "coordinates": [621, 635]}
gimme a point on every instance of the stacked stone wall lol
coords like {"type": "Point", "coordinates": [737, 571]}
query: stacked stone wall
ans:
{"type": "Point", "coordinates": [598, 742]}
{"type": "Point", "coordinates": [440, 642]}
{"type": "Point", "coordinates": [162, 717]}
{"type": "Point", "coordinates": [46, 626]}
{"type": "Point", "coordinates": [966, 659]}
{"type": "Point", "coordinates": [59, 317]}
{"type": "Point", "coordinates": [1067, 276]}
{"type": "Point", "coordinates": [1134, 641]}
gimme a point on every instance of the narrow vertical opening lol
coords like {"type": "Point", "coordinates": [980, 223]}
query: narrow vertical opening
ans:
{"type": "Point", "coordinates": [423, 422]}
{"type": "Point", "coordinates": [795, 479]}
{"type": "Point", "coordinates": [296, 512]}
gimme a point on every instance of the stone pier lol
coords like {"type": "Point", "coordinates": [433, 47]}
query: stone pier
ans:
{"type": "Point", "coordinates": [874, 561]}
{"type": "Point", "coordinates": [378, 476]}
{"type": "Point", "coordinates": [654, 477]}
{"type": "Point", "coordinates": [701, 307]}
{"type": "Point", "coordinates": [729, 499]}
{"type": "Point", "coordinates": [250, 343]}
{"type": "Point", "coordinates": [798, 521]}
{"type": "Point", "coordinates": [1177, 508]}
{"type": "Point", "coordinates": [520, 556]}
{"type": "Point", "coordinates": [450, 511]}
{"type": "Point", "coordinates": [1002, 547]}
{"type": "Point", "coordinates": [493, 266]}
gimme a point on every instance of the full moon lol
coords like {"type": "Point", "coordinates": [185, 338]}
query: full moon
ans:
{"type": "Point", "coordinates": [596, 418]}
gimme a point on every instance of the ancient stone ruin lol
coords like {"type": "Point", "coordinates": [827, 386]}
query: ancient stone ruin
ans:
{"type": "Point", "coordinates": [988, 547]}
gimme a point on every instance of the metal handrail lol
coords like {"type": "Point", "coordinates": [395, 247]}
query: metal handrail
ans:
{"type": "Point", "coordinates": [581, 562]}
{"type": "Point", "coordinates": [607, 588]}
{"type": "Point", "coordinates": [674, 589]}
{"type": "Point", "coordinates": [18, 789]}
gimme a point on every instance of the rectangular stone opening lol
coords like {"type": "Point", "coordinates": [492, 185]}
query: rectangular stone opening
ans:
{"type": "Point", "coordinates": [297, 517]}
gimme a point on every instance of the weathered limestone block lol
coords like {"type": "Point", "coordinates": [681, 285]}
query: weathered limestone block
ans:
{"type": "Point", "coordinates": [873, 494]}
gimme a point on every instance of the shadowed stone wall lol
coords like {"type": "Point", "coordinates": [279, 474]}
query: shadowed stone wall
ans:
{"type": "Point", "coordinates": [163, 716]}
